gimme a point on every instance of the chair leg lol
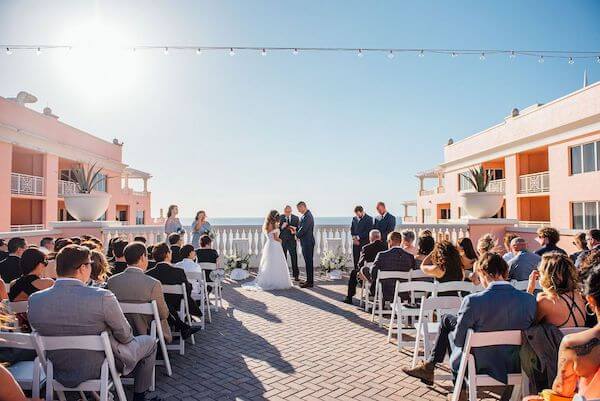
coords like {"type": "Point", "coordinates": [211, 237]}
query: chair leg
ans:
{"type": "Point", "coordinates": [460, 377]}
{"type": "Point", "coordinates": [472, 379]}
{"type": "Point", "coordinates": [516, 393]}
{"type": "Point", "coordinates": [381, 303]}
{"type": "Point", "coordinates": [392, 316]}
{"type": "Point", "coordinates": [399, 332]}
{"type": "Point", "coordinates": [416, 349]}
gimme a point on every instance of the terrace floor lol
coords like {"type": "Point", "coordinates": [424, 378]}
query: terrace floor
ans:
{"type": "Point", "coordinates": [292, 345]}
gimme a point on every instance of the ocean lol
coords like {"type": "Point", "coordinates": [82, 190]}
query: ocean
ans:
{"type": "Point", "coordinates": [187, 221]}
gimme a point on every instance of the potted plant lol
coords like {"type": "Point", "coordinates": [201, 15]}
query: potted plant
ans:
{"type": "Point", "coordinates": [333, 263]}
{"type": "Point", "coordinates": [87, 204]}
{"type": "Point", "coordinates": [479, 203]}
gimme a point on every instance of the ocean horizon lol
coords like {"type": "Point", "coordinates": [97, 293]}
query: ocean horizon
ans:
{"type": "Point", "coordinates": [187, 221]}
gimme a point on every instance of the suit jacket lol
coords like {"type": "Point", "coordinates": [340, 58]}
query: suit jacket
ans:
{"type": "Point", "coordinates": [499, 307]}
{"type": "Point", "coordinates": [394, 259]}
{"type": "Point", "coordinates": [369, 252]}
{"type": "Point", "coordinates": [305, 229]}
{"type": "Point", "coordinates": [70, 308]}
{"type": "Point", "coordinates": [170, 275]}
{"type": "Point", "coordinates": [582, 255]}
{"type": "Point", "coordinates": [521, 265]}
{"type": "Point", "coordinates": [285, 234]}
{"type": "Point", "coordinates": [361, 228]}
{"type": "Point", "coordinates": [10, 268]}
{"type": "Point", "coordinates": [118, 267]}
{"type": "Point", "coordinates": [134, 286]}
{"type": "Point", "coordinates": [385, 224]}
{"type": "Point", "coordinates": [175, 257]}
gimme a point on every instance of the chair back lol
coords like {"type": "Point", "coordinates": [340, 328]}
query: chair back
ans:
{"type": "Point", "coordinates": [176, 289]}
{"type": "Point", "coordinates": [523, 284]}
{"type": "Point", "coordinates": [149, 309]}
{"type": "Point", "coordinates": [441, 305]}
{"type": "Point", "coordinates": [390, 274]}
{"type": "Point", "coordinates": [489, 338]}
{"type": "Point", "coordinates": [418, 273]}
{"type": "Point", "coordinates": [207, 266]}
{"type": "Point", "coordinates": [463, 286]}
{"type": "Point", "coordinates": [17, 340]}
{"type": "Point", "coordinates": [18, 307]}
{"type": "Point", "coordinates": [197, 276]}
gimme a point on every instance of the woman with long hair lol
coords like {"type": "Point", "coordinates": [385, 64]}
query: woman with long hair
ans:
{"type": "Point", "coordinates": [172, 224]}
{"type": "Point", "coordinates": [468, 255]}
{"type": "Point", "coordinates": [200, 227]}
{"type": "Point", "coordinates": [443, 263]}
{"type": "Point", "coordinates": [100, 269]}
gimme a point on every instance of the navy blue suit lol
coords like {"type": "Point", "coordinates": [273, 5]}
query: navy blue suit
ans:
{"type": "Point", "coordinates": [288, 240]}
{"type": "Point", "coordinates": [360, 228]}
{"type": "Point", "coordinates": [307, 243]}
{"type": "Point", "coordinates": [385, 224]}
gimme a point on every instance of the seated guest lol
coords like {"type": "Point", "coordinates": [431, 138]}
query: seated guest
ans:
{"type": "Point", "coordinates": [508, 251]}
{"type": "Point", "coordinates": [592, 239]}
{"type": "Point", "coordinates": [560, 302]}
{"type": "Point", "coordinates": [3, 250]}
{"type": "Point", "coordinates": [408, 242]}
{"type": "Point", "coordinates": [367, 255]}
{"type": "Point", "coordinates": [88, 311]}
{"type": "Point", "coordinates": [100, 269]}
{"type": "Point", "coordinates": [188, 263]}
{"type": "Point", "coordinates": [487, 243]}
{"type": "Point", "coordinates": [89, 245]}
{"type": "Point", "coordinates": [523, 262]}
{"type": "Point", "coordinates": [425, 244]}
{"type": "Point", "coordinates": [77, 240]}
{"type": "Point", "coordinates": [33, 263]}
{"type": "Point", "coordinates": [580, 243]}
{"type": "Point", "coordinates": [59, 244]}
{"type": "Point", "coordinates": [168, 274]}
{"type": "Point", "coordinates": [119, 264]}
{"type": "Point", "coordinates": [393, 259]}
{"type": "Point", "coordinates": [548, 237]}
{"type": "Point", "coordinates": [443, 263]}
{"type": "Point", "coordinates": [468, 255]}
{"type": "Point", "coordinates": [175, 242]}
{"type": "Point", "coordinates": [205, 254]}
{"type": "Point", "coordinates": [140, 238]}
{"type": "Point", "coordinates": [151, 261]}
{"type": "Point", "coordinates": [479, 311]}
{"type": "Point", "coordinates": [47, 245]}
{"type": "Point", "coordinates": [84, 237]}
{"type": "Point", "coordinates": [10, 268]}
{"type": "Point", "coordinates": [132, 285]}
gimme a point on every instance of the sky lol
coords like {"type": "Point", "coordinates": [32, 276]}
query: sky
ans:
{"type": "Point", "coordinates": [238, 136]}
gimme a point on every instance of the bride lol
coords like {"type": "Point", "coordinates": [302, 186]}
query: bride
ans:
{"type": "Point", "coordinates": [273, 271]}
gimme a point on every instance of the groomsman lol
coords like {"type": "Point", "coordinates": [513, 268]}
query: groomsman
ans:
{"type": "Point", "coordinates": [287, 223]}
{"type": "Point", "coordinates": [362, 224]}
{"type": "Point", "coordinates": [384, 222]}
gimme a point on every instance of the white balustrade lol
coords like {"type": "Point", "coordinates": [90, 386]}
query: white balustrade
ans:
{"type": "Point", "coordinates": [534, 183]}
{"type": "Point", "coordinates": [23, 184]}
{"type": "Point", "coordinates": [497, 185]}
{"type": "Point", "coordinates": [26, 227]}
{"type": "Point", "coordinates": [66, 188]}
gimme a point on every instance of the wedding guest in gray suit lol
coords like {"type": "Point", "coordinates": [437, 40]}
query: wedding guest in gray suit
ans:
{"type": "Point", "coordinates": [71, 308]}
{"type": "Point", "coordinates": [499, 307]}
{"type": "Point", "coordinates": [523, 262]}
{"type": "Point", "coordinates": [134, 286]}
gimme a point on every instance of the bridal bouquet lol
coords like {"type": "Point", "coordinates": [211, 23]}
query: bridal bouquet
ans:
{"type": "Point", "coordinates": [237, 262]}
{"type": "Point", "coordinates": [333, 261]}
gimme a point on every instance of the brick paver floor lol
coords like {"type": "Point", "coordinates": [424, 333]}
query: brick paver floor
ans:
{"type": "Point", "coordinates": [292, 345]}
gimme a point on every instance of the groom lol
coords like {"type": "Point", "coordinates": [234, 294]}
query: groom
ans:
{"type": "Point", "coordinates": [307, 241]}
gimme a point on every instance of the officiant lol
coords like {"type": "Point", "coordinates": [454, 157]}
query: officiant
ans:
{"type": "Point", "coordinates": [288, 239]}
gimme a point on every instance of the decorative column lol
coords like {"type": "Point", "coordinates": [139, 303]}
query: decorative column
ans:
{"type": "Point", "coordinates": [50, 188]}
{"type": "Point", "coordinates": [145, 185]}
{"type": "Point", "coordinates": [5, 183]}
{"type": "Point", "coordinates": [511, 187]}
{"type": "Point", "coordinates": [421, 184]}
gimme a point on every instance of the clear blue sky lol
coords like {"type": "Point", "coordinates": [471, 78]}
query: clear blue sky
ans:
{"type": "Point", "coordinates": [240, 135]}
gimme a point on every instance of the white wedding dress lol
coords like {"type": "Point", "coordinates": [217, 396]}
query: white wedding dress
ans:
{"type": "Point", "coordinates": [273, 273]}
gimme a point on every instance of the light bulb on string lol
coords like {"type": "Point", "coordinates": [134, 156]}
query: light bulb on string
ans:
{"type": "Point", "coordinates": [454, 55]}
{"type": "Point", "coordinates": [598, 59]}
{"type": "Point", "coordinates": [198, 51]}
{"type": "Point", "coordinates": [421, 54]}
{"type": "Point", "coordinates": [166, 51]}
{"type": "Point", "coordinates": [390, 55]}
{"type": "Point", "coordinates": [263, 52]}
{"type": "Point", "coordinates": [8, 51]}
{"type": "Point", "coordinates": [571, 61]}
{"type": "Point", "coordinates": [512, 54]}
{"type": "Point", "coordinates": [133, 50]}
{"type": "Point", "coordinates": [38, 51]}
{"type": "Point", "coordinates": [295, 52]}
{"type": "Point", "coordinates": [360, 53]}
{"type": "Point", "coordinates": [482, 56]}
{"type": "Point", "coordinates": [541, 60]}
{"type": "Point", "coordinates": [231, 52]}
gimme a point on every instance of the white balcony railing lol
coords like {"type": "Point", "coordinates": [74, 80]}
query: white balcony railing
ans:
{"type": "Point", "coordinates": [66, 188]}
{"type": "Point", "coordinates": [534, 183]}
{"type": "Point", "coordinates": [228, 237]}
{"type": "Point", "coordinates": [26, 227]}
{"type": "Point", "coordinates": [497, 185]}
{"type": "Point", "coordinates": [23, 184]}
{"type": "Point", "coordinates": [426, 192]}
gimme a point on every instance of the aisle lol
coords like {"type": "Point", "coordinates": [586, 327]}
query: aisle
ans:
{"type": "Point", "coordinates": [292, 345]}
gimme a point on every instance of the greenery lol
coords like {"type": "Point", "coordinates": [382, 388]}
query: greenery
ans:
{"type": "Point", "coordinates": [87, 179]}
{"type": "Point", "coordinates": [479, 178]}
{"type": "Point", "coordinates": [237, 262]}
{"type": "Point", "coordinates": [333, 261]}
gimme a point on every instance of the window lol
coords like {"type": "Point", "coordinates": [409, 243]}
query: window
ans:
{"type": "Point", "coordinates": [445, 214]}
{"type": "Point", "coordinates": [495, 173]}
{"type": "Point", "coordinates": [585, 158]}
{"type": "Point", "coordinates": [101, 183]}
{"type": "Point", "coordinates": [585, 215]}
{"type": "Point", "coordinates": [463, 183]}
{"type": "Point", "coordinates": [139, 217]}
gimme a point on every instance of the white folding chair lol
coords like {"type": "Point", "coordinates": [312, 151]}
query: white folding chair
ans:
{"type": "Point", "coordinates": [456, 287]}
{"type": "Point", "coordinates": [378, 303]}
{"type": "Point", "coordinates": [401, 313]}
{"type": "Point", "coordinates": [523, 284]}
{"type": "Point", "coordinates": [109, 376]}
{"type": "Point", "coordinates": [18, 307]}
{"type": "Point", "coordinates": [184, 315]}
{"type": "Point", "coordinates": [468, 362]}
{"type": "Point", "coordinates": [150, 309]}
{"type": "Point", "coordinates": [215, 284]}
{"type": "Point", "coordinates": [427, 329]}
{"type": "Point", "coordinates": [202, 295]}
{"type": "Point", "coordinates": [28, 374]}
{"type": "Point", "coordinates": [364, 288]}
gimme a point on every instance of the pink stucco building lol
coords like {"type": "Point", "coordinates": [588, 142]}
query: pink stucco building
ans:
{"type": "Point", "coordinates": [545, 158]}
{"type": "Point", "coordinates": [37, 153]}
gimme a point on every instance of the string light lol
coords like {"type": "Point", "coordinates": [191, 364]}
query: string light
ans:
{"type": "Point", "coordinates": [38, 51]}
{"type": "Point", "coordinates": [390, 55]}
{"type": "Point", "coordinates": [231, 52]}
{"type": "Point", "coordinates": [166, 51]}
{"type": "Point", "coordinates": [571, 61]}
{"type": "Point", "coordinates": [263, 52]}
{"type": "Point", "coordinates": [421, 53]}
{"type": "Point", "coordinates": [198, 51]}
{"type": "Point", "coordinates": [8, 51]}
{"type": "Point", "coordinates": [512, 54]}
{"type": "Point", "coordinates": [598, 59]}
{"type": "Point", "coordinates": [541, 59]}
{"type": "Point", "coordinates": [482, 57]}
{"type": "Point", "coordinates": [295, 52]}
{"type": "Point", "coordinates": [360, 53]}
{"type": "Point", "coordinates": [454, 55]}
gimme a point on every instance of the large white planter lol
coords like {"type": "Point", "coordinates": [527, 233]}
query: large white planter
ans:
{"type": "Point", "coordinates": [87, 207]}
{"type": "Point", "coordinates": [482, 205]}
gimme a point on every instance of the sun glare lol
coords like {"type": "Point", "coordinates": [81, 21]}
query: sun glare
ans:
{"type": "Point", "coordinates": [98, 61]}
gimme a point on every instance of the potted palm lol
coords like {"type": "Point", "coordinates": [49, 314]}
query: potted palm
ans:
{"type": "Point", "coordinates": [87, 204]}
{"type": "Point", "coordinates": [479, 203]}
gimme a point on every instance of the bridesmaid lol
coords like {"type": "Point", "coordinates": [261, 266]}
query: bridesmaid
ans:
{"type": "Point", "coordinates": [200, 227]}
{"type": "Point", "coordinates": [172, 224]}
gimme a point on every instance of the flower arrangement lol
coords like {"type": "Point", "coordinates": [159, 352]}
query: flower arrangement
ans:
{"type": "Point", "coordinates": [333, 261]}
{"type": "Point", "coordinates": [237, 262]}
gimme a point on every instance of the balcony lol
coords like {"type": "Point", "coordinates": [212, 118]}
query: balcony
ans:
{"type": "Point", "coordinates": [497, 186]}
{"type": "Point", "coordinates": [535, 183]}
{"type": "Point", "coordinates": [66, 188]}
{"type": "Point", "coordinates": [26, 227]}
{"type": "Point", "coordinates": [426, 192]}
{"type": "Point", "coordinates": [23, 184]}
